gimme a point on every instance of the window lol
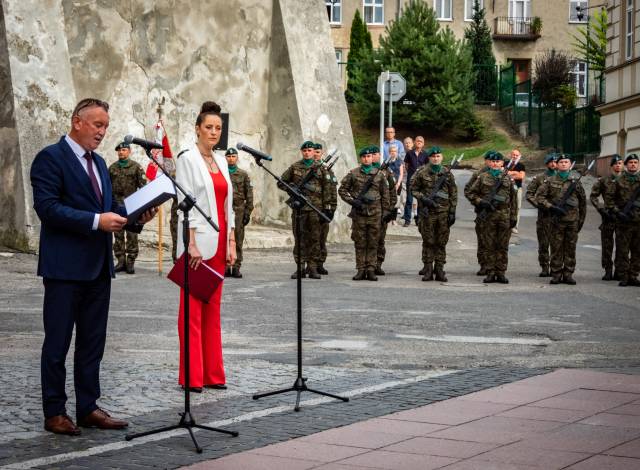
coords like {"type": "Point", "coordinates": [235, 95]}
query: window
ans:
{"type": "Point", "coordinates": [443, 9]}
{"type": "Point", "coordinates": [519, 9]}
{"type": "Point", "coordinates": [573, 11]}
{"type": "Point", "coordinates": [373, 11]}
{"type": "Point", "coordinates": [580, 78]}
{"type": "Point", "coordinates": [334, 11]}
{"type": "Point", "coordinates": [468, 8]}
{"type": "Point", "coordinates": [629, 30]}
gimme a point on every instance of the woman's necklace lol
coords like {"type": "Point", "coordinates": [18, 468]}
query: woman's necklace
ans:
{"type": "Point", "coordinates": [208, 159]}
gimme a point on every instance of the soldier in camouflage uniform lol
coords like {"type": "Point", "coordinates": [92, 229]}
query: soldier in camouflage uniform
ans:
{"type": "Point", "coordinates": [333, 205]}
{"type": "Point", "coordinates": [481, 251]}
{"type": "Point", "coordinates": [438, 213]}
{"type": "Point", "coordinates": [388, 216]}
{"type": "Point", "coordinates": [366, 214]}
{"type": "Point", "coordinates": [242, 206]}
{"type": "Point", "coordinates": [627, 196]}
{"type": "Point", "coordinates": [543, 222]}
{"type": "Point", "coordinates": [605, 188]}
{"type": "Point", "coordinates": [566, 221]}
{"type": "Point", "coordinates": [318, 191]}
{"type": "Point", "coordinates": [126, 178]}
{"type": "Point", "coordinates": [497, 215]}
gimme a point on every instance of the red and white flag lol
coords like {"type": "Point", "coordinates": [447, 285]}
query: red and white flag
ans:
{"type": "Point", "coordinates": [164, 158]}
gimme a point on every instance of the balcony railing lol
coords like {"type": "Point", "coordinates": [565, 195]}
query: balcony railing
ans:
{"type": "Point", "coordinates": [516, 29]}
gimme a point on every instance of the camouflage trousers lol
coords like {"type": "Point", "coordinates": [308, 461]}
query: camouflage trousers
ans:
{"type": "Point", "coordinates": [382, 251]}
{"type": "Point", "coordinates": [435, 235]}
{"type": "Point", "coordinates": [309, 238]}
{"type": "Point", "coordinates": [324, 233]}
{"type": "Point", "coordinates": [239, 234]}
{"type": "Point", "coordinates": [125, 243]}
{"type": "Point", "coordinates": [564, 238]}
{"type": "Point", "coordinates": [628, 250]}
{"type": "Point", "coordinates": [493, 235]}
{"type": "Point", "coordinates": [365, 233]}
{"type": "Point", "coordinates": [543, 231]}
{"type": "Point", "coordinates": [481, 251]}
{"type": "Point", "coordinates": [607, 237]}
{"type": "Point", "coordinates": [173, 228]}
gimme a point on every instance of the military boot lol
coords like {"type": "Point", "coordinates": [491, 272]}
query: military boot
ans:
{"type": "Point", "coordinates": [321, 269]}
{"type": "Point", "coordinates": [379, 271]}
{"type": "Point", "coordinates": [371, 275]}
{"type": "Point", "coordinates": [556, 278]}
{"type": "Point", "coordinates": [633, 281]}
{"type": "Point", "coordinates": [423, 270]}
{"type": "Point", "coordinates": [502, 279]}
{"type": "Point", "coordinates": [608, 275]}
{"type": "Point", "coordinates": [313, 273]}
{"type": "Point", "coordinates": [481, 272]}
{"type": "Point", "coordinates": [624, 281]}
{"type": "Point", "coordinates": [360, 275]}
{"type": "Point", "coordinates": [228, 272]}
{"type": "Point", "coordinates": [489, 278]}
{"type": "Point", "coordinates": [616, 276]}
{"type": "Point", "coordinates": [544, 272]}
{"type": "Point", "coordinates": [568, 279]}
{"type": "Point", "coordinates": [427, 272]}
{"type": "Point", "coordinates": [129, 267]}
{"type": "Point", "coordinates": [121, 266]}
{"type": "Point", "coordinates": [235, 272]}
{"type": "Point", "coordinates": [303, 274]}
{"type": "Point", "coordinates": [439, 273]}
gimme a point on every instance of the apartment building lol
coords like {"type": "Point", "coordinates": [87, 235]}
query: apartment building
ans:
{"type": "Point", "coordinates": [620, 115]}
{"type": "Point", "coordinates": [521, 28]}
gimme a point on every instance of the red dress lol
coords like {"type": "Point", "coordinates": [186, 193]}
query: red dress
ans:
{"type": "Point", "coordinates": [205, 341]}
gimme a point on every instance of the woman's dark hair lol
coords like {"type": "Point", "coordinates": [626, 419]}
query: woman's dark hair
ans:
{"type": "Point", "coordinates": [208, 108]}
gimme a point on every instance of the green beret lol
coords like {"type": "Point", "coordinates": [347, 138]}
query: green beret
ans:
{"type": "Point", "coordinates": [307, 144]}
{"type": "Point", "coordinates": [494, 156]}
{"type": "Point", "coordinates": [317, 146]}
{"type": "Point", "coordinates": [631, 156]}
{"type": "Point", "coordinates": [122, 145]}
{"type": "Point", "coordinates": [550, 157]}
{"type": "Point", "coordinates": [231, 151]}
{"type": "Point", "coordinates": [564, 156]}
{"type": "Point", "coordinates": [433, 150]}
{"type": "Point", "coordinates": [374, 149]}
{"type": "Point", "coordinates": [615, 158]}
{"type": "Point", "coordinates": [363, 151]}
{"type": "Point", "coordinates": [489, 154]}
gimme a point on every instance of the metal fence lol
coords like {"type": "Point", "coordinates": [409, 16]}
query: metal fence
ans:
{"type": "Point", "coordinates": [485, 86]}
{"type": "Point", "coordinates": [581, 131]}
{"type": "Point", "coordinates": [506, 83]}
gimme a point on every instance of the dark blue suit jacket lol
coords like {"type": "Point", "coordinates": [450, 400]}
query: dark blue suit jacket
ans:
{"type": "Point", "coordinates": [65, 201]}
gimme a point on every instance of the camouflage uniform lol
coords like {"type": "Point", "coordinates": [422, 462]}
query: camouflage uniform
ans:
{"type": "Point", "coordinates": [543, 222]}
{"type": "Point", "coordinates": [481, 252]}
{"type": "Point", "coordinates": [605, 188]}
{"type": "Point", "coordinates": [393, 199]}
{"type": "Point", "coordinates": [366, 222]}
{"type": "Point", "coordinates": [494, 230]}
{"type": "Point", "coordinates": [242, 206]}
{"type": "Point", "coordinates": [333, 205]}
{"type": "Point", "coordinates": [125, 180]}
{"type": "Point", "coordinates": [564, 229]}
{"type": "Point", "coordinates": [628, 230]}
{"type": "Point", "coordinates": [435, 227]}
{"type": "Point", "coordinates": [318, 191]}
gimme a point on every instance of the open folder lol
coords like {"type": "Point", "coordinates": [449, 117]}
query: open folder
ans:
{"type": "Point", "coordinates": [202, 281]}
{"type": "Point", "coordinates": [150, 195]}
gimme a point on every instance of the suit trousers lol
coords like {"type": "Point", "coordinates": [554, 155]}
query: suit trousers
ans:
{"type": "Point", "coordinates": [84, 304]}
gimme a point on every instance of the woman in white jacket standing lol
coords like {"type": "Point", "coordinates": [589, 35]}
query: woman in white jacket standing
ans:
{"type": "Point", "coordinates": [206, 176]}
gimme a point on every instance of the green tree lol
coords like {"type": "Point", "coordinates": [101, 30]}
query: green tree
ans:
{"type": "Point", "coordinates": [553, 82]}
{"type": "Point", "coordinates": [478, 36]}
{"type": "Point", "coordinates": [360, 47]}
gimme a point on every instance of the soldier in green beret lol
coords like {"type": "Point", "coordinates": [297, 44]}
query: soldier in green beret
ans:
{"type": "Point", "coordinates": [318, 191]}
{"type": "Point", "coordinates": [436, 214]}
{"type": "Point", "coordinates": [333, 205]}
{"type": "Point", "coordinates": [366, 190]}
{"type": "Point", "coordinates": [605, 188]}
{"type": "Point", "coordinates": [242, 206]}
{"type": "Point", "coordinates": [566, 221]}
{"type": "Point", "coordinates": [543, 222]}
{"type": "Point", "coordinates": [625, 205]}
{"type": "Point", "coordinates": [126, 178]}
{"type": "Point", "coordinates": [481, 251]}
{"type": "Point", "coordinates": [390, 214]}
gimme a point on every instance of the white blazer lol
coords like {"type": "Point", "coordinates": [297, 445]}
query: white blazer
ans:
{"type": "Point", "coordinates": [193, 175]}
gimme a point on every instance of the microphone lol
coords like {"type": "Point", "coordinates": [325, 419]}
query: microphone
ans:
{"type": "Point", "coordinates": [256, 153]}
{"type": "Point", "coordinates": [146, 144]}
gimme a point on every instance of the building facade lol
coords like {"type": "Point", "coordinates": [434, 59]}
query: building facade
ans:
{"type": "Point", "coordinates": [620, 115]}
{"type": "Point", "coordinates": [521, 28]}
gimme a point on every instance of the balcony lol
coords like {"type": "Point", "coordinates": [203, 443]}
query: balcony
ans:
{"type": "Point", "coordinates": [507, 28]}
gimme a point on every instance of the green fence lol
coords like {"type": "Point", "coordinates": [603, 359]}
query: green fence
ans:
{"type": "Point", "coordinates": [581, 131]}
{"type": "Point", "coordinates": [485, 86]}
{"type": "Point", "coordinates": [523, 102]}
{"type": "Point", "coordinates": [506, 83]}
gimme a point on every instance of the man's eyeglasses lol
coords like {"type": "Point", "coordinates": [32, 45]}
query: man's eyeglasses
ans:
{"type": "Point", "coordinates": [88, 102]}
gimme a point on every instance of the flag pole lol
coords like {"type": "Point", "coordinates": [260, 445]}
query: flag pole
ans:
{"type": "Point", "coordinates": [160, 251]}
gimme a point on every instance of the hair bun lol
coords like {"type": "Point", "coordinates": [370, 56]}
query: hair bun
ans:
{"type": "Point", "coordinates": [210, 107]}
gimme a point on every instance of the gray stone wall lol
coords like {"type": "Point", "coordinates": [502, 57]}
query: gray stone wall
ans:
{"type": "Point", "coordinates": [270, 64]}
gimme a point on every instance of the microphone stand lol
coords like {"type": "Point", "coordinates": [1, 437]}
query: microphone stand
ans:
{"type": "Point", "coordinates": [187, 421]}
{"type": "Point", "coordinates": [298, 202]}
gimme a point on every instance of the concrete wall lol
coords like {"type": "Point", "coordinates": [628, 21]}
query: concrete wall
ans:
{"type": "Point", "coordinates": [270, 64]}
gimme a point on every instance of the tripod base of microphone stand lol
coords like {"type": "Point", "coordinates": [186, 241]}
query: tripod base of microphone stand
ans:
{"type": "Point", "coordinates": [186, 422]}
{"type": "Point", "coordinates": [299, 386]}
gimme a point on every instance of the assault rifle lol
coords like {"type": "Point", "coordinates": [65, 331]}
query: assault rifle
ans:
{"type": "Point", "coordinates": [560, 206]}
{"type": "Point", "coordinates": [631, 203]}
{"type": "Point", "coordinates": [484, 212]}
{"type": "Point", "coordinates": [310, 174]}
{"type": "Point", "coordinates": [361, 197]}
{"type": "Point", "coordinates": [424, 212]}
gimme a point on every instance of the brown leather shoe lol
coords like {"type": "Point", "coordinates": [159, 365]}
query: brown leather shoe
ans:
{"type": "Point", "coordinates": [61, 424]}
{"type": "Point", "coordinates": [100, 419]}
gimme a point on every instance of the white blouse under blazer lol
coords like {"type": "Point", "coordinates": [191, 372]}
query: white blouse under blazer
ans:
{"type": "Point", "coordinates": [193, 175]}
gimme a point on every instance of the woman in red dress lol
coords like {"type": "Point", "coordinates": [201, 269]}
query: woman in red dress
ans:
{"type": "Point", "coordinates": [206, 176]}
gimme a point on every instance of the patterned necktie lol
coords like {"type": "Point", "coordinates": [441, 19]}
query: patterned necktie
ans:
{"type": "Point", "coordinates": [92, 176]}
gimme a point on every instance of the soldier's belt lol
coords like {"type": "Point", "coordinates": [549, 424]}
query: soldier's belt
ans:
{"type": "Point", "coordinates": [499, 198]}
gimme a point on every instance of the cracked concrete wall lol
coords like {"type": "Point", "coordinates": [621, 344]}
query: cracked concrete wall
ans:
{"type": "Point", "coordinates": [275, 74]}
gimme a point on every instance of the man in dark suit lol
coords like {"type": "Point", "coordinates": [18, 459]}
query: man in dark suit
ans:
{"type": "Point", "coordinates": [78, 213]}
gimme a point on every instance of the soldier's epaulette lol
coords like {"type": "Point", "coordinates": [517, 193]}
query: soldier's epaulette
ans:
{"type": "Point", "coordinates": [183, 151]}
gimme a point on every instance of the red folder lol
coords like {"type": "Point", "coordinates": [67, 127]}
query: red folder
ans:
{"type": "Point", "coordinates": [202, 281]}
